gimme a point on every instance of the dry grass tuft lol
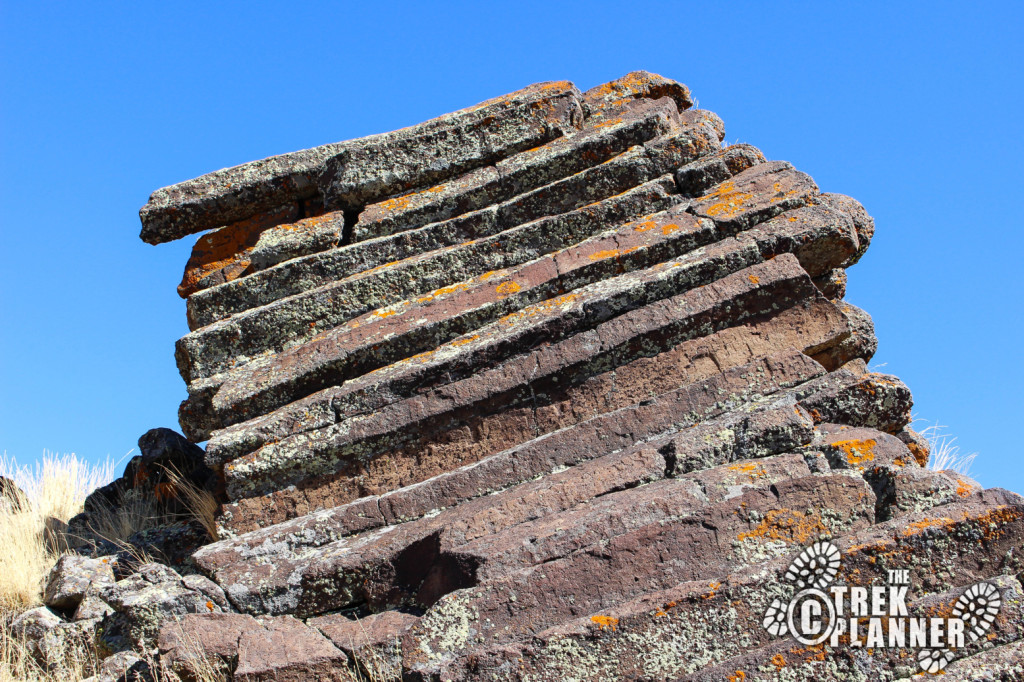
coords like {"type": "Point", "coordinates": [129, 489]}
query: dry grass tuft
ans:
{"type": "Point", "coordinates": [945, 453]}
{"type": "Point", "coordinates": [78, 660]}
{"type": "Point", "coordinates": [133, 513]}
{"type": "Point", "coordinates": [200, 503]}
{"type": "Point", "coordinates": [31, 542]}
{"type": "Point", "coordinates": [53, 491]}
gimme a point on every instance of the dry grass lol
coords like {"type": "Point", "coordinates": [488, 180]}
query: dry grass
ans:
{"type": "Point", "coordinates": [945, 453]}
{"type": "Point", "coordinates": [76, 660]}
{"type": "Point", "coordinates": [55, 488]}
{"type": "Point", "coordinates": [201, 504]}
{"type": "Point", "coordinates": [80, 661]}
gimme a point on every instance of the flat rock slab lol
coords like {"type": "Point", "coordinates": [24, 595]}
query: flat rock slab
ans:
{"type": "Point", "coordinates": [595, 143]}
{"type": "Point", "coordinates": [666, 323]}
{"type": "Point", "coordinates": [249, 649]}
{"type": "Point", "coordinates": [256, 244]}
{"type": "Point", "coordinates": [373, 642]}
{"type": "Point", "coordinates": [743, 531]}
{"type": "Point", "coordinates": [355, 172]}
{"type": "Point", "coordinates": [671, 633]}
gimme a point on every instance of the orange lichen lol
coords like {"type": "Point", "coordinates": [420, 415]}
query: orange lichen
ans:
{"type": "Point", "coordinates": [738, 677]}
{"type": "Point", "coordinates": [812, 653]}
{"type": "Point", "coordinates": [612, 253]}
{"type": "Point", "coordinates": [754, 471]}
{"type": "Point", "coordinates": [507, 288]}
{"type": "Point", "coordinates": [916, 527]}
{"type": "Point", "coordinates": [645, 226]}
{"type": "Point", "coordinates": [730, 200]}
{"type": "Point", "coordinates": [209, 605]}
{"type": "Point", "coordinates": [606, 124]}
{"type": "Point", "coordinates": [754, 279]}
{"type": "Point", "coordinates": [857, 451]}
{"type": "Point", "coordinates": [605, 621]}
{"type": "Point", "coordinates": [714, 585]}
{"type": "Point", "coordinates": [963, 488]}
{"type": "Point", "coordinates": [467, 339]}
{"type": "Point", "coordinates": [788, 525]}
{"type": "Point", "coordinates": [920, 454]}
{"type": "Point", "coordinates": [226, 250]}
{"type": "Point", "coordinates": [538, 308]}
{"type": "Point", "coordinates": [165, 491]}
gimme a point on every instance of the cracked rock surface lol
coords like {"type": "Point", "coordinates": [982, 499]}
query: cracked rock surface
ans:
{"type": "Point", "coordinates": [554, 387]}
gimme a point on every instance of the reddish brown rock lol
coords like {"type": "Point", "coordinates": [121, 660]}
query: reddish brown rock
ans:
{"type": "Point", "coordinates": [358, 440]}
{"type": "Point", "coordinates": [272, 327]}
{"type": "Point", "coordinates": [677, 631]}
{"type": "Point", "coordinates": [370, 169]}
{"type": "Point", "coordinates": [832, 284]}
{"type": "Point", "coordinates": [374, 642]}
{"type": "Point", "coordinates": [879, 401]}
{"type": "Point", "coordinates": [651, 558]}
{"type": "Point", "coordinates": [198, 642]}
{"type": "Point", "coordinates": [595, 143]}
{"type": "Point", "coordinates": [563, 378]}
{"type": "Point", "coordinates": [636, 84]}
{"type": "Point", "coordinates": [284, 649]}
{"type": "Point", "coordinates": [799, 663]}
{"type": "Point", "coordinates": [697, 177]}
{"type": "Point", "coordinates": [357, 170]}
{"type": "Point", "coordinates": [221, 256]}
{"type": "Point", "coordinates": [755, 195]}
{"type": "Point", "coordinates": [819, 239]}
{"type": "Point", "coordinates": [864, 223]}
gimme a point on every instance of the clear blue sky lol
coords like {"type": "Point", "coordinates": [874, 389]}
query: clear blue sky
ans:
{"type": "Point", "coordinates": [912, 108]}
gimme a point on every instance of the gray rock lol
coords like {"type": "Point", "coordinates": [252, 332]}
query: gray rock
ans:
{"type": "Point", "coordinates": [11, 496]}
{"type": "Point", "coordinates": [124, 666]}
{"type": "Point", "coordinates": [92, 606]}
{"type": "Point", "coordinates": [32, 625]}
{"type": "Point", "coordinates": [68, 642]}
{"type": "Point", "coordinates": [146, 599]}
{"type": "Point", "coordinates": [73, 577]}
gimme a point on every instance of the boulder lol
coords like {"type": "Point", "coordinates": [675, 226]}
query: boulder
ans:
{"type": "Point", "coordinates": [32, 625]}
{"type": "Point", "coordinates": [75, 576]}
{"type": "Point", "coordinates": [146, 599]}
{"type": "Point", "coordinates": [553, 387]}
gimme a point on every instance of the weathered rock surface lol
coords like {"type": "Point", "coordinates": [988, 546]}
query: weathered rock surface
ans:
{"type": "Point", "coordinates": [143, 601]}
{"type": "Point", "coordinates": [11, 496]}
{"type": "Point", "coordinates": [75, 576]}
{"type": "Point", "coordinates": [555, 387]}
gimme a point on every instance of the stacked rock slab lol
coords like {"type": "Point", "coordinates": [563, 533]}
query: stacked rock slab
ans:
{"type": "Point", "coordinates": [552, 387]}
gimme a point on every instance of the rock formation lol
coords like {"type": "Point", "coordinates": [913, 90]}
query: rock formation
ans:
{"type": "Point", "coordinates": [553, 387]}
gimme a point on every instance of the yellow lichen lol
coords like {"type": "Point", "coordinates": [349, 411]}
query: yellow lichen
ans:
{"type": "Point", "coordinates": [605, 621]}
{"type": "Point", "coordinates": [507, 288]}
{"type": "Point", "coordinates": [857, 451]}
{"type": "Point", "coordinates": [788, 525]}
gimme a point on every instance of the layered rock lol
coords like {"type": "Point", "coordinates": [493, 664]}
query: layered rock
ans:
{"type": "Point", "coordinates": [553, 387]}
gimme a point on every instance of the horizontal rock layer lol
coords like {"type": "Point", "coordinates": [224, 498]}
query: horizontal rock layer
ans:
{"type": "Point", "coordinates": [554, 387]}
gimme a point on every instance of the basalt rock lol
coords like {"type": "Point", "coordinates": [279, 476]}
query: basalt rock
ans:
{"type": "Point", "coordinates": [11, 496]}
{"type": "Point", "coordinates": [553, 387]}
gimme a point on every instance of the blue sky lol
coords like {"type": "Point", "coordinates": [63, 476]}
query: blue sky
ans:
{"type": "Point", "coordinates": [912, 108]}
